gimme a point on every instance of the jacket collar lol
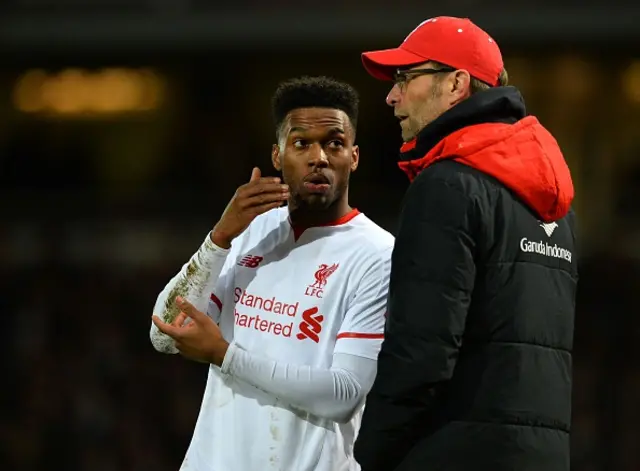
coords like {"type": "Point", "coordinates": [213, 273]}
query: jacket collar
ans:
{"type": "Point", "coordinates": [496, 105]}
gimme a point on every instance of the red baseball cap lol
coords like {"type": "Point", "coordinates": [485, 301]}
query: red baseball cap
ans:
{"type": "Point", "coordinates": [455, 42]}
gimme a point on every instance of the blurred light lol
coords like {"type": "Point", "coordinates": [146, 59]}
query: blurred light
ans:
{"type": "Point", "coordinates": [631, 82]}
{"type": "Point", "coordinates": [573, 78]}
{"type": "Point", "coordinates": [77, 92]}
{"type": "Point", "coordinates": [27, 95]}
{"type": "Point", "coordinates": [153, 89]}
{"type": "Point", "coordinates": [65, 93]}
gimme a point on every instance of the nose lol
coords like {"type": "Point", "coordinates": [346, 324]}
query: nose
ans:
{"type": "Point", "coordinates": [393, 98]}
{"type": "Point", "coordinates": [317, 156]}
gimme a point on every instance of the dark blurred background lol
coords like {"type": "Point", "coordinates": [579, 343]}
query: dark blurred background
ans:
{"type": "Point", "coordinates": [125, 127]}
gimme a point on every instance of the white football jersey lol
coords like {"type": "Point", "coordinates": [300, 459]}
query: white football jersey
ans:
{"type": "Point", "coordinates": [295, 296]}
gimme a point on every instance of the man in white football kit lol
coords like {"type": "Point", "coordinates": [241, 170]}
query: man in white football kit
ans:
{"type": "Point", "coordinates": [295, 301]}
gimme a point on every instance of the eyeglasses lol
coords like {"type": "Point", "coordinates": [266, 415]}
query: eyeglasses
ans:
{"type": "Point", "coordinates": [402, 77]}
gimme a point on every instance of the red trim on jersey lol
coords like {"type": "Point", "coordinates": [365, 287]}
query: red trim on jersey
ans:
{"type": "Point", "coordinates": [359, 335]}
{"type": "Point", "coordinates": [344, 219]}
{"type": "Point", "coordinates": [298, 230]}
{"type": "Point", "coordinates": [216, 300]}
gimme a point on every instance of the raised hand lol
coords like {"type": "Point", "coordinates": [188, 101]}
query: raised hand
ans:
{"type": "Point", "coordinates": [257, 196]}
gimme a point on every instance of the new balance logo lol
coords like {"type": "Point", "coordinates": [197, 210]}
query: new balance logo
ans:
{"type": "Point", "coordinates": [549, 227]}
{"type": "Point", "coordinates": [311, 325]}
{"type": "Point", "coordinates": [250, 261]}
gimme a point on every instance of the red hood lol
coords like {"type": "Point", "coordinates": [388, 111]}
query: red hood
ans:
{"type": "Point", "coordinates": [524, 156]}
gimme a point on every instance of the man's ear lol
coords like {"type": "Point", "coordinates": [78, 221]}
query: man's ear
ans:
{"type": "Point", "coordinates": [275, 157]}
{"type": "Point", "coordinates": [459, 86]}
{"type": "Point", "coordinates": [355, 158]}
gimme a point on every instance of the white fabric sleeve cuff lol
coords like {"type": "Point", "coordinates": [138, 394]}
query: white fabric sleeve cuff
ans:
{"type": "Point", "coordinates": [334, 394]}
{"type": "Point", "coordinates": [211, 251]}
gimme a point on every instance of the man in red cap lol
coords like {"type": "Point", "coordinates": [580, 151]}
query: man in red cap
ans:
{"type": "Point", "coordinates": [475, 368]}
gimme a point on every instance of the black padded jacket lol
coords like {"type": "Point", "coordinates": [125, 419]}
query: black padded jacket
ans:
{"type": "Point", "coordinates": [475, 369]}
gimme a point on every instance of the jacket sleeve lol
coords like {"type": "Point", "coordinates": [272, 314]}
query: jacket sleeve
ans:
{"type": "Point", "coordinates": [432, 277]}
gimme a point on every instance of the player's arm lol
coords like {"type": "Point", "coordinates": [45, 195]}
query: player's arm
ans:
{"type": "Point", "coordinates": [333, 393]}
{"type": "Point", "coordinates": [337, 392]}
{"type": "Point", "coordinates": [195, 282]}
{"type": "Point", "coordinates": [198, 277]}
{"type": "Point", "coordinates": [430, 291]}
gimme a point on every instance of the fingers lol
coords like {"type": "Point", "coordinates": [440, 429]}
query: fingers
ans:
{"type": "Point", "coordinates": [168, 329]}
{"type": "Point", "coordinates": [175, 330]}
{"type": "Point", "coordinates": [268, 189]}
{"type": "Point", "coordinates": [189, 309]}
{"type": "Point", "coordinates": [264, 198]}
{"type": "Point", "coordinates": [263, 208]}
{"type": "Point", "coordinates": [255, 174]}
{"type": "Point", "coordinates": [262, 192]}
{"type": "Point", "coordinates": [264, 185]}
{"type": "Point", "coordinates": [179, 320]}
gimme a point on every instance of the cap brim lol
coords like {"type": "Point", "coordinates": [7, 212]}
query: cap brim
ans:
{"type": "Point", "coordinates": [383, 64]}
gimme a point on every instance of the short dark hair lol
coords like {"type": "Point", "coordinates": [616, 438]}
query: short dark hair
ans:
{"type": "Point", "coordinates": [478, 85]}
{"type": "Point", "coordinates": [314, 92]}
